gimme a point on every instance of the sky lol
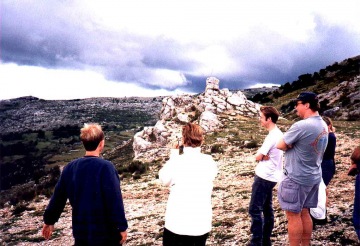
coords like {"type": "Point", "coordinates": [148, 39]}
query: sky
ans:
{"type": "Point", "coordinates": [72, 49]}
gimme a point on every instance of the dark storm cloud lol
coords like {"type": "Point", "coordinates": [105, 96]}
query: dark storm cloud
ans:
{"type": "Point", "coordinates": [286, 62]}
{"type": "Point", "coordinates": [55, 35]}
{"type": "Point", "coordinates": [61, 41]}
{"type": "Point", "coordinates": [167, 53]}
{"type": "Point", "coordinates": [27, 38]}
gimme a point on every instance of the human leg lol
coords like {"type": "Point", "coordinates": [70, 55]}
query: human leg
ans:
{"type": "Point", "coordinates": [295, 228]}
{"type": "Point", "coordinates": [307, 225]}
{"type": "Point", "coordinates": [299, 227]}
{"type": "Point", "coordinates": [259, 193]}
{"type": "Point", "coordinates": [311, 195]}
{"type": "Point", "coordinates": [293, 198]}
{"type": "Point", "coordinates": [255, 211]}
{"type": "Point", "coordinates": [268, 212]}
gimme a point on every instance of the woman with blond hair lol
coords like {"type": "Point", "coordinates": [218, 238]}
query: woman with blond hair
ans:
{"type": "Point", "coordinates": [190, 175]}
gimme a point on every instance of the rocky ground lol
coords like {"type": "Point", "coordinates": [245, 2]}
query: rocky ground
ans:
{"type": "Point", "coordinates": [145, 202]}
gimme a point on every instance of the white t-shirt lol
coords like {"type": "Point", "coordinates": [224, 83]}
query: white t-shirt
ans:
{"type": "Point", "coordinates": [320, 211]}
{"type": "Point", "coordinates": [190, 176]}
{"type": "Point", "coordinates": [271, 169]}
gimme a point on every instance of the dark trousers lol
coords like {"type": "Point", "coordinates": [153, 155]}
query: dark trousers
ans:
{"type": "Point", "coordinates": [172, 239]}
{"type": "Point", "coordinates": [356, 212]}
{"type": "Point", "coordinates": [261, 211]}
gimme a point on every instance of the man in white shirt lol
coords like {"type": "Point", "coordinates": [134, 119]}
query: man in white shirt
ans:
{"type": "Point", "coordinates": [267, 174]}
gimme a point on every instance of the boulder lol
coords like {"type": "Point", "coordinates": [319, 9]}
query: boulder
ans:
{"type": "Point", "coordinates": [209, 121]}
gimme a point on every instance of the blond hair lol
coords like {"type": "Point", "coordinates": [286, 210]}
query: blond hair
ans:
{"type": "Point", "coordinates": [91, 135]}
{"type": "Point", "coordinates": [328, 122]}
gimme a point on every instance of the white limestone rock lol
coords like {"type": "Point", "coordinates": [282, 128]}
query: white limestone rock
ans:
{"type": "Point", "coordinates": [209, 121]}
{"type": "Point", "coordinates": [183, 117]}
{"type": "Point", "coordinates": [212, 83]}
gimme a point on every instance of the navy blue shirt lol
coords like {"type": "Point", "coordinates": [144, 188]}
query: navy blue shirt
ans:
{"type": "Point", "coordinates": [329, 153]}
{"type": "Point", "coordinates": [92, 186]}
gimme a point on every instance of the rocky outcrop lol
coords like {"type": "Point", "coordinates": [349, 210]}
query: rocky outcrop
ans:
{"type": "Point", "coordinates": [176, 111]}
{"type": "Point", "coordinates": [343, 101]}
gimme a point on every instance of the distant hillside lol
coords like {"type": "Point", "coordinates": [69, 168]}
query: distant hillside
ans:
{"type": "Point", "coordinates": [32, 114]}
{"type": "Point", "coordinates": [251, 92]}
{"type": "Point", "coordinates": [38, 135]}
{"type": "Point", "coordinates": [338, 86]}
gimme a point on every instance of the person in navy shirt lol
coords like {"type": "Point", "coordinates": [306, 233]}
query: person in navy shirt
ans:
{"type": "Point", "coordinates": [92, 186]}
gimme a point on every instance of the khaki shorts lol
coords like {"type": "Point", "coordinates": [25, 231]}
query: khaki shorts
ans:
{"type": "Point", "coordinates": [294, 197]}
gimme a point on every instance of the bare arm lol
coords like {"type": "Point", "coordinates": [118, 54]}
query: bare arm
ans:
{"type": "Point", "coordinates": [282, 145]}
{"type": "Point", "coordinates": [261, 157]}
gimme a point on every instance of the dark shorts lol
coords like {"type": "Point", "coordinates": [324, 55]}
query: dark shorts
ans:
{"type": "Point", "coordinates": [294, 197]}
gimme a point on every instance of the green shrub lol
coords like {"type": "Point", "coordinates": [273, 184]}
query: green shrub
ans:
{"type": "Point", "coordinates": [138, 166]}
{"type": "Point", "coordinates": [251, 144]}
{"type": "Point", "coordinates": [217, 148]}
{"type": "Point", "coordinates": [28, 194]}
{"type": "Point", "coordinates": [136, 176]}
{"type": "Point", "coordinates": [21, 207]}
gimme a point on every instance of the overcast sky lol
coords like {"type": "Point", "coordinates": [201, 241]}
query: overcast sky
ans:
{"type": "Point", "coordinates": [68, 49]}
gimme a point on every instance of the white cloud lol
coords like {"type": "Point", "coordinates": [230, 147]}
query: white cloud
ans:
{"type": "Point", "coordinates": [261, 85]}
{"type": "Point", "coordinates": [18, 81]}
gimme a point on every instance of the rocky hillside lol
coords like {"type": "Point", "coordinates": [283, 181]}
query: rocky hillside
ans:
{"type": "Point", "coordinates": [338, 86]}
{"type": "Point", "coordinates": [35, 133]}
{"type": "Point", "coordinates": [145, 198]}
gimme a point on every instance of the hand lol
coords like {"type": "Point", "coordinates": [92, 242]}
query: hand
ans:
{"type": "Point", "coordinates": [353, 170]}
{"type": "Point", "coordinates": [123, 235]}
{"type": "Point", "coordinates": [266, 158]}
{"type": "Point", "coordinates": [47, 231]}
{"type": "Point", "coordinates": [175, 146]}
